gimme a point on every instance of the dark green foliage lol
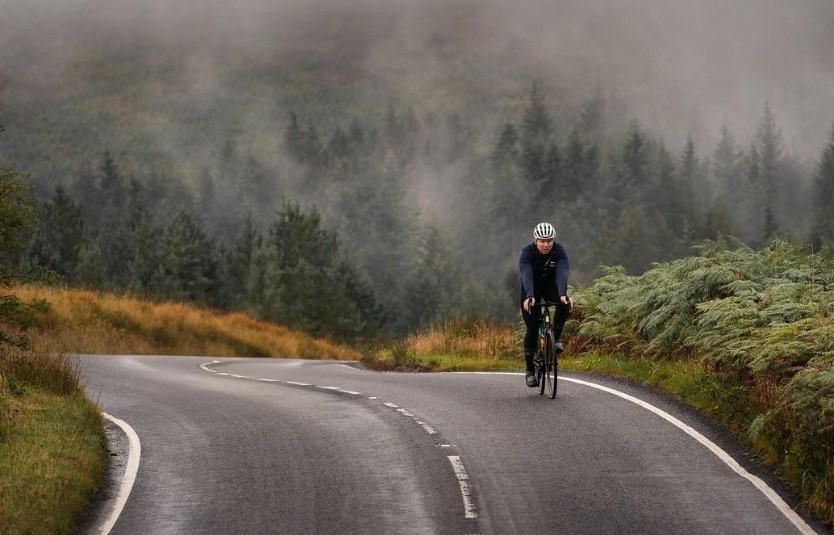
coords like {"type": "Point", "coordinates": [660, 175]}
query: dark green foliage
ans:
{"type": "Point", "coordinates": [763, 317]}
{"type": "Point", "coordinates": [616, 194]}
{"type": "Point", "coordinates": [823, 222]}
{"type": "Point", "coordinates": [432, 291]}
{"type": "Point", "coordinates": [18, 216]}
{"type": "Point", "coordinates": [309, 284]}
{"type": "Point", "coordinates": [59, 235]}
{"type": "Point", "coordinates": [187, 262]}
{"type": "Point", "coordinates": [240, 268]}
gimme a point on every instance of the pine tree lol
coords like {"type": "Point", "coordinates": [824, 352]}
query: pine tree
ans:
{"type": "Point", "coordinates": [690, 184]}
{"type": "Point", "coordinates": [751, 206]}
{"type": "Point", "coordinates": [541, 162]}
{"type": "Point", "coordinates": [823, 222]}
{"type": "Point", "coordinates": [536, 123]}
{"type": "Point", "coordinates": [110, 178]}
{"type": "Point", "coordinates": [239, 266]}
{"type": "Point", "coordinates": [668, 198]}
{"type": "Point", "coordinates": [308, 282]}
{"type": "Point", "coordinates": [56, 244]}
{"type": "Point", "coordinates": [431, 290]}
{"type": "Point", "coordinates": [143, 268]}
{"type": "Point", "coordinates": [18, 216]}
{"type": "Point", "coordinates": [633, 180]}
{"type": "Point", "coordinates": [294, 138]}
{"type": "Point", "coordinates": [726, 165]}
{"type": "Point", "coordinates": [188, 262]}
{"type": "Point", "coordinates": [593, 117]}
{"type": "Point", "coordinates": [770, 146]}
{"type": "Point", "coordinates": [579, 169]}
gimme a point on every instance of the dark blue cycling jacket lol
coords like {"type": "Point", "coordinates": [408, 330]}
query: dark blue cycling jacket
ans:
{"type": "Point", "coordinates": [543, 276]}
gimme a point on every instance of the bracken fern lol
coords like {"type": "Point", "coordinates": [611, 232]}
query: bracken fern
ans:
{"type": "Point", "coordinates": [763, 317]}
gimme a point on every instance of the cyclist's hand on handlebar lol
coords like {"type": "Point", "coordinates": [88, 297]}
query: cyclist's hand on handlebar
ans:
{"type": "Point", "coordinates": [530, 301]}
{"type": "Point", "coordinates": [567, 301]}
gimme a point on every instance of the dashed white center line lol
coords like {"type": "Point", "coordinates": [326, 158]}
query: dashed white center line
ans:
{"type": "Point", "coordinates": [462, 477]}
{"type": "Point", "coordinates": [469, 508]}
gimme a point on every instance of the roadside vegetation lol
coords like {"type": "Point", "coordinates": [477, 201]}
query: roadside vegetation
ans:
{"type": "Point", "coordinates": [52, 443]}
{"type": "Point", "coordinates": [81, 321]}
{"type": "Point", "coordinates": [745, 336]}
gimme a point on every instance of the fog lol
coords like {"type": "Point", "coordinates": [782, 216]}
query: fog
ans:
{"type": "Point", "coordinates": [682, 66]}
{"type": "Point", "coordinates": [194, 99]}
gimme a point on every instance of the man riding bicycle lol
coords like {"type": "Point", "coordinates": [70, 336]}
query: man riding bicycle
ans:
{"type": "Point", "coordinates": [544, 270]}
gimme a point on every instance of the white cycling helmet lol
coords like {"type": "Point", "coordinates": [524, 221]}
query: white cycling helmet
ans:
{"type": "Point", "coordinates": [544, 231]}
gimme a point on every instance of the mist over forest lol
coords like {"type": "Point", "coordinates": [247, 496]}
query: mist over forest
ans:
{"type": "Point", "coordinates": [388, 159]}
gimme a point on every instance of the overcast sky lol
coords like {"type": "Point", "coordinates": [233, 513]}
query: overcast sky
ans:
{"type": "Point", "coordinates": [682, 64]}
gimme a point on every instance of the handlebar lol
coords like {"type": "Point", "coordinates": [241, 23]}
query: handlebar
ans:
{"type": "Point", "coordinates": [546, 304]}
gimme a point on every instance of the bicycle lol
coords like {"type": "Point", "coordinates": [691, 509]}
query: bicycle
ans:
{"type": "Point", "coordinates": [546, 359]}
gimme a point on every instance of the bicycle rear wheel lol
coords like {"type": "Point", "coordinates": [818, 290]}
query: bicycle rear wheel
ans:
{"type": "Point", "coordinates": [551, 366]}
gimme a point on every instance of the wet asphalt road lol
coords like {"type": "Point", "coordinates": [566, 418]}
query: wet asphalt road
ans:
{"type": "Point", "coordinates": [290, 446]}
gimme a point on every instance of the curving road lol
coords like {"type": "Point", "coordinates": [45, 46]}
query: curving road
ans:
{"type": "Point", "coordinates": [290, 446]}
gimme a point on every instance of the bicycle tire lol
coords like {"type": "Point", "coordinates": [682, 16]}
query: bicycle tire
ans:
{"type": "Point", "coordinates": [550, 365]}
{"type": "Point", "coordinates": [540, 367]}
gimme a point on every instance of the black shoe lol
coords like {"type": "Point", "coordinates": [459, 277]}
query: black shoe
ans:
{"type": "Point", "coordinates": [559, 347]}
{"type": "Point", "coordinates": [531, 380]}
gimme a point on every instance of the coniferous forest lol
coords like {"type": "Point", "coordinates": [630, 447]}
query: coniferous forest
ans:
{"type": "Point", "coordinates": [312, 187]}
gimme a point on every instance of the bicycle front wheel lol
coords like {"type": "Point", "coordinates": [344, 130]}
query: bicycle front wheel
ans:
{"type": "Point", "coordinates": [551, 365]}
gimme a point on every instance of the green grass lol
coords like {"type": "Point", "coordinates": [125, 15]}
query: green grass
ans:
{"type": "Point", "coordinates": [51, 461]}
{"type": "Point", "coordinates": [724, 399]}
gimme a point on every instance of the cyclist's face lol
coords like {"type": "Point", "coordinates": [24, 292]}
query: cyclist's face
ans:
{"type": "Point", "coordinates": [544, 246]}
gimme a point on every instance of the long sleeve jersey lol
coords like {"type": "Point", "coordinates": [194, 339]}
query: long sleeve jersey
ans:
{"type": "Point", "coordinates": [543, 276]}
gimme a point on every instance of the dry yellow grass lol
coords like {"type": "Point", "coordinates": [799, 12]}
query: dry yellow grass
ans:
{"type": "Point", "coordinates": [458, 344]}
{"type": "Point", "coordinates": [466, 337]}
{"type": "Point", "coordinates": [81, 321]}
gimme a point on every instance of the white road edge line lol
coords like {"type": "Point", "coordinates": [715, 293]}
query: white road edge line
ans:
{"type": "Point", "coordinates": [763, 487]}
{"type": "Point", "coordinates": [465, 490]}
{"type": "Point", "coordinates": [129, 477]}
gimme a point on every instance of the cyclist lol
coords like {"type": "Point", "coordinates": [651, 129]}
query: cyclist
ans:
{"type": "Point", "coordinates": [544, 270]}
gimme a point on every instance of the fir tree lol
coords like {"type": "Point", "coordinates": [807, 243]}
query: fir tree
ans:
{"type": "Point", "coordinates": [579, 170]}
{"type": "Point", "coordinates": [294, 138]}
{"type": "Point", "coordinates": [540, 157]}
{"type": "Point", "coordinates": [432, 287]}
{"type": "Point", "coordinates": [769, 145]}
{"type": "Point", "coordinates": [239, 267]}
{"type": "Point", "coordinates": [633, 180]}
{"type": "Point", "coordinates": [689, 185]}
{"type": "Point", "coordinates": [58, 237]}
{"type": "Point", "coordinates": [309, 283]}
{"type": "Point", "coordinates": [823, 222]}
{"type": "Point", "coordinates": [187, 262]}
{"type": "Point", "coordinates": [592, 120]}
{"type": "Point", "coordinates": [143, 268]}
{"type": "Point", "coordinates": [726, 165]}
{"type": "Point", "coordinates": [110, 178]}
{"type": "Point", "coordinates": [668, 198]}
